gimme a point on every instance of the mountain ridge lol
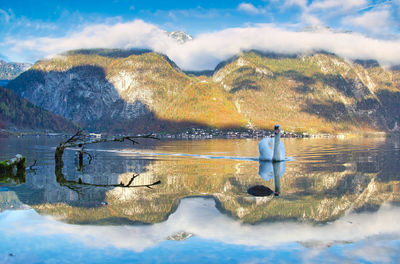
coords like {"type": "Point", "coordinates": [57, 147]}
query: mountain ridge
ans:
{"type": "Point", "coordinates": [310, 93]}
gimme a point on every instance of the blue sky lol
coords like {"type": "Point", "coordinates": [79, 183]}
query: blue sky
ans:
{"type": "Point", "coordinates": [26, 26]}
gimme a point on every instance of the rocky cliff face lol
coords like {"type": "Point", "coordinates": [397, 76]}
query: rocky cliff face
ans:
{"type": "Point", "coordinates": [115, 90]}
{"type": "Point", "coordinates": [81, 93]}
{"type": "Point", "coordinates": [10, 70]}
{"type": "Point", "coordinates": [16, 112]}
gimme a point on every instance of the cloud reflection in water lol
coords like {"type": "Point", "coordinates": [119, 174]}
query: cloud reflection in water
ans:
{"type": "Point", "coordinates": [200, 217]}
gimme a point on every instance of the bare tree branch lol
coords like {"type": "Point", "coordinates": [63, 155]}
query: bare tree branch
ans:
{"type": "Point", "coordinates": [133, 177]}
{"type": "Point", "coordinates": [80, 182]}
{"type": "Point", "coordinates": [78, 140]}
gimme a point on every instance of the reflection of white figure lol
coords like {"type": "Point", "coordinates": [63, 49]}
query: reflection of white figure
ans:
{"type": "Point", "coordinates": [268, 170]}
{"type": "Point", "coordinates": [272, 149]}
{"type": "Point", "coordinates": [275, 170]}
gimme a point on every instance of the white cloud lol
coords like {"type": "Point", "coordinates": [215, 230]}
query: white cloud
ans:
{"type": "Point", "coordinates": [340, 4]}
{"type": "Point", "coordinates": [121, 35]}
{"type": "Point", "coordinates": [206, 50]}
{"type": "Point", "coordinates": [375, 21]}
{"type": "Point", "coordinates": [311, 20]}
{"type": "Point", "coordinates": [300, 3]}
{"type": "Point", "coordinates": [250, 8]}
{"type": "Point", "coordinates": [319, 13]}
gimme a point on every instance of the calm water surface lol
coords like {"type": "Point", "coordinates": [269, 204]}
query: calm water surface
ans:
{"type": "Point", "coordinates": [338, 201]}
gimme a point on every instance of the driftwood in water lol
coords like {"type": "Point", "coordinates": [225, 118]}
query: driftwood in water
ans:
{"type": "Point", "coordinates": [81, 140]}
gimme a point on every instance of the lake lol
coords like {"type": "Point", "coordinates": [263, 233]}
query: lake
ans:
{"type": "Point", "coordinates": [338, 202]}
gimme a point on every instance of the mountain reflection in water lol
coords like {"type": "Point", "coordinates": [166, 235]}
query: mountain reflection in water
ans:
{"type": "Point", "coordinates": [198, 217]}
{"type": "Point", "coordinates": [349, 188]}
{"type": "Point", "coordinates": [326, 178]}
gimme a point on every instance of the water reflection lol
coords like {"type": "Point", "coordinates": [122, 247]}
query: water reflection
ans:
{"type": "Point", "coordinates": [268, 170]}
{"type": "Point", "coordinates": [327, 179]}
{"type": "Point", "coordinates": [338, 202]}
{"type": "Point", "coordinates": [13, 179]}
{"type": "Point", "coordinates": [85, 188]}
{"type": "Point", "coordinates": [198, 218]}
{"type": "Point", "coordinates": [275, 170]}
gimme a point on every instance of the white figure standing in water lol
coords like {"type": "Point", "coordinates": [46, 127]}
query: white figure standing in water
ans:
{"type": "Point", "coordinates": [272, 149]}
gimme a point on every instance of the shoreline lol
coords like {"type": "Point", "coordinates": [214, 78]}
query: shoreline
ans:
{"type": "Point", "coordinates": [203, 134]}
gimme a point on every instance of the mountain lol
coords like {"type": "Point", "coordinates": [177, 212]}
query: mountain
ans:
{"type": "Point", "coordinates": [180, 36]}
{"type": "Point", "coordinates": [142, 91]}
{"type": "Point", "coordinates": [139, 90]}
{"type": "Point", "coordinates": [16, 112]}
{"type": "Point", "coordinates": [317, 93]}
{"type": "Point", "coordinates": [11, 70]}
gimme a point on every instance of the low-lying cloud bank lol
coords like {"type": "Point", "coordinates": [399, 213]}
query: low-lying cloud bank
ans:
{"type": "Point", "coordinates": [207, 50]}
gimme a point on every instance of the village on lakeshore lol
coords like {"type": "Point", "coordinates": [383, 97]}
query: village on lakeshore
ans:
{"type": "Point", "coordinates": [188, 134]}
